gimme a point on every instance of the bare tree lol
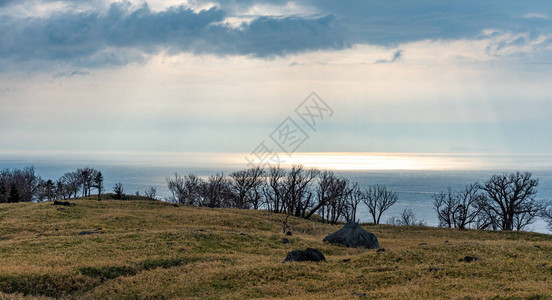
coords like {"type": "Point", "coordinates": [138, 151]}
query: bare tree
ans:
{"type": "Point", "coordinates": [546, 214]}
{"type": "Point", "coordinates": [3, 193]}
{"type": "Point", "coordinates": [150, 193]}
{"type": "Point", "coordinates": [510, 200]}
{"type": "Point", "coordinates": [119, 191]}
{"type": "Point", "coordinates": [98, 184]}
{"type": "Point", "coordinates": [323, 195]}
{"type": "Point", "coordinates": [49, 188]}
{"type": "Point", "coordinates": [458, 209]}
{"type": "Point", "coordinates": [355, 196]}
{"type": "Point", "coordinates": [244, 185]}
{"type": "Point", "coordinates": [215, 191]}
{"type": "Point", "coordinates": [445, 204]}
{"type": "Point", "coordinates": [72, 182]}
{"type": "Point", "coordinates": [274, 190]}
{"type": "Point", "coordinates": [185, 190]}
{"type": "Point", "coordinates": [379, 199]}
{"type": "Point", "coordinates": [296, 187]}
{"type": "Point", "coordinates": [467, 211]}
{"type": "Point", "coordinates": [14, 195]}
{"type": "Point", "coordinates": [62, 191]}
{"type": "Point", "coordinates": [25, 180]}
{"type": "Point", "coordinates": [406, 218]}
{"type": "Point", "coordinates": [337, 205]}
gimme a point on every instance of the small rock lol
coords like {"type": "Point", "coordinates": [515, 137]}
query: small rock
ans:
{"type": "Point", "coordinates": [99, 228]}
{"type": "Point", "coordinates": [537, 246]}
{"type": "Point", "coordinates": [468, 259]}
{"type": "Point", "coordinates": [289, 233]}
{"type": "Point", "coordinates": [56, 229]}
{"type": "Point", "coordinates": [446, 241]}
{"type": "Point", "coordinates": [87, 232]}
{"type": "Point", "coordinates": [64, 203]}
{"type": "Point", "coordinates": [380, 250]}
{"type": "Point", "coordinates": [174, 205]}
{"type": "Point", "coordinates": [241, 233]}
{"type": "Point", "coordinates": [285, 241]}
{"type": "Point", "coordinates": [433, 269]}
{"type": "Point", "coordinates": [309, 254]}
{"type": "Point", "coordinates": [362, 295]}
{"type": "Point", "coordinates": [347, 260]}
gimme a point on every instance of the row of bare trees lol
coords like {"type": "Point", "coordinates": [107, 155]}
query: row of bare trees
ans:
{"type": "Point", "coordinates": [24, 185]}
{"type": "Point", "coordinates": [296, 191]}
{"type": "Point", "coordinates": [504, 202]}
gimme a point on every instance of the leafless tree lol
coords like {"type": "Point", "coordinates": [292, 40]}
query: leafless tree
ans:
{"type": "Point", "coordinates": [150, 193]}
{"type": "Point", "coordinates": [98, 184]}
{"type": "Point", "coordinates": [323, 187]}
{"type": "Point", "coordinates": [467, 211]}
{"type": "Point", "coordinates": [546, 214]}
{"type": "Point", "coordinates": [72, 182]}
{"type": "Point", "coordinates": [119, 191]}
{"type": "Point", "coordinates": [355, 197]}
{"type": "Point", "coordinates": [458, 209]}
{"type": "Point", "coordinates": [510, 201]}
{"type": "Point", "coordinates": [62, 191]}
{"type": "Point", "coordinates": [3, 193]}
{"type": "Point", "coordinates": [337, 205]}
{"type": "Point", "coordinates": [406, 218]}
{"type": "Point", "coordinates": [445, 204]}
{"type": "Point", "coordinates": [185, 190]}
{"type": "Point", "coordinates": [25, 181]}
{"type": "Point", "coordinates": [379, 199]}
{"type": "Point", "coordinates": [86, 177]}
{"type": "Point", "coordinates": [274, 190]}
{"type": "Point", "coordinates": [245, 186]}
{"type": "Point", "coordinates": [216, 191]}
{"type": "Point", "coordinates": [297, 193]}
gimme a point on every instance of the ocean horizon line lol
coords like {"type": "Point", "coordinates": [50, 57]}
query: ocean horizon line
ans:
{"type": "Point", "coordinates": [361, 161]}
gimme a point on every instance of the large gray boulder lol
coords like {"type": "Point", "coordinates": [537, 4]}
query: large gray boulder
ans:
{"type": "Point", "coordinates": [352, 235]}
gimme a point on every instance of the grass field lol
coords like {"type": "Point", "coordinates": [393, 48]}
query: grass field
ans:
{"type": "Point", "coordinates": [151, 249]}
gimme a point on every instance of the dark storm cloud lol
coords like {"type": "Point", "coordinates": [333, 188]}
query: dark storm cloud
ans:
{"type": "Point", "coordinates": [121, 35]}
{"type": "Point", "coordinates": [124, 34]}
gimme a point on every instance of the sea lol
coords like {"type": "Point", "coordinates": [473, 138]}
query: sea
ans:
{"type": "Point", "coordinates": [415, 187]}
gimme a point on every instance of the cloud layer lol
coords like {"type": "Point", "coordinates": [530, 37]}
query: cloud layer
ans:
{"type": "Point", "coordinates": [124, 33]}
{"type": "Point", "coordinates": [77, 35]}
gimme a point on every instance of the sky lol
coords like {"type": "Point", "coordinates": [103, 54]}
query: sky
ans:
{"type": "Point", "coordinates": [98, 76]}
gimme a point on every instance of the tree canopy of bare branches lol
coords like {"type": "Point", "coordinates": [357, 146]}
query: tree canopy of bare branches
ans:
{"type": "Point", "coordinates": [509, 202]}
{"type": "Point", "coordinates": [378, 199]}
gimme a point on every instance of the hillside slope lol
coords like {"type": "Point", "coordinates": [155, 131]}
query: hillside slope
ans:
{"type": "Point", "coordinates": [151, 249]}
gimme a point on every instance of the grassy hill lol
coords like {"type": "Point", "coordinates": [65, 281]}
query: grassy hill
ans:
{"type": "Point", "coordinates": [150, 249]}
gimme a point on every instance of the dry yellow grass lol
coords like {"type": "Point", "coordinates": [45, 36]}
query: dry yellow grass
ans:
{"type": "Point", "coordinates": [150, 249]}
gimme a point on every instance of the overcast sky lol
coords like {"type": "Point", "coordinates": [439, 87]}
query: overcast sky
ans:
{"type": "Point", "coordinates": [220, 76]}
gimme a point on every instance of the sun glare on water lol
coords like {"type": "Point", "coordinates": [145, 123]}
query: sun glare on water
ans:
{"type": "Point", "coordinates": [377, 161]}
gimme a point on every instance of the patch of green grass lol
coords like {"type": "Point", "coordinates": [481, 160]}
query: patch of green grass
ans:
{"type": "Point", "coordinates": [51, 285]}
{"type": "Point", "coordinates": [108, 272]}
{"type": "Point", "coordinates": [151, 249]}
{"type": "Point", "coordinates": [165, 263]}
